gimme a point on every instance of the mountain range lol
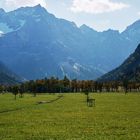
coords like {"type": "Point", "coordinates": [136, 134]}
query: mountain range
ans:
{"type": "Point", "coordinates": [35, 44]}
{"type": "Point", "coordinates": [129, 70]}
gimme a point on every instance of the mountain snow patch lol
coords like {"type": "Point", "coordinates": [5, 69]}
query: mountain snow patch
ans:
{"type": "Point", "coordinates": [75, 66]}
{"type": "Point", "coordinates": [5, 28]}
{"type": "Point", "coordinates": [1, 33]}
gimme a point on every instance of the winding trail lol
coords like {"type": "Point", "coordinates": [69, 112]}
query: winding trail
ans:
{"type": "Point", "coordinates": [51, 101]}
{"type": "Point", "coordinates": [40, 102]}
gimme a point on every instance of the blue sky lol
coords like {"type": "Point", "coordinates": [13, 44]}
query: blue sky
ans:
{"type": "Point", "coordinates": [98, 14]}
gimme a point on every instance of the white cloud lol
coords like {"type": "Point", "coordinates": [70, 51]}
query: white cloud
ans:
{"type": "Point", "coordinates": [138, 13]}
{"type": "Point", "coordinates": [96, 6]}
{"type": "Point", "coordinates": [14, 4]}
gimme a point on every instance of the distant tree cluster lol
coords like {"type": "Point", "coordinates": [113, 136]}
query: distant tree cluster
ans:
{"type": "Point", "coordinates": [55, 85]}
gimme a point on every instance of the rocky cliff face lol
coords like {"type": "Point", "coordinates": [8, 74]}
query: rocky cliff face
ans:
{"type": "Point", "coordinates": [129, 70]}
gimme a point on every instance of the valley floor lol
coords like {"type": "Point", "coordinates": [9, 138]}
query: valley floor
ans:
{"type": "Point", "coordinates": [115, 117]}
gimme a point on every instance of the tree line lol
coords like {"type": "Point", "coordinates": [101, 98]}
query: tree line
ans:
{"type": "Point", "coordinates": [65, 85]}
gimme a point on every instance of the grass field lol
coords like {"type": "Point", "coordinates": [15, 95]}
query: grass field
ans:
{"type": "Point", "coordinates": [115, 117]}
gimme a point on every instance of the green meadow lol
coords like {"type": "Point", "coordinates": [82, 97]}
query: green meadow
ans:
{"type": "Point", "coordinates": [115, 116]}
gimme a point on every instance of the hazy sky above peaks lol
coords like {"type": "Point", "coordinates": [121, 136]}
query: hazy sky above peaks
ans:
{"type": "Point", "coordinates": [98, 14]}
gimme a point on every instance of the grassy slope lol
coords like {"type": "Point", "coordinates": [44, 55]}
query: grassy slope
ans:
{"type": "Point", "coordinates": [115, 117]}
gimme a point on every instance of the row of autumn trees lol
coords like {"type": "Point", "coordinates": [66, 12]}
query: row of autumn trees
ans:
{"type": "Point", "coordinates": [55, 85]}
